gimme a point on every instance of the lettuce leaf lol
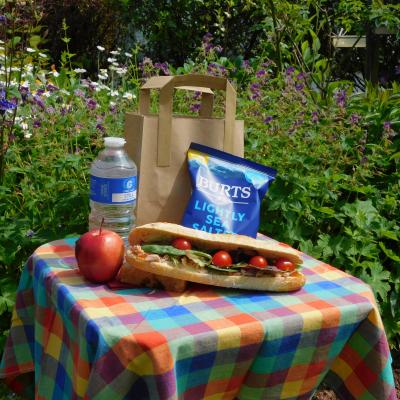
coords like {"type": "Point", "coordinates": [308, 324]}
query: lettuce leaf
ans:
{"type": "Point", "coordinates": [198, 257]}
{"type": "Point", "coordinates": [162, 250]}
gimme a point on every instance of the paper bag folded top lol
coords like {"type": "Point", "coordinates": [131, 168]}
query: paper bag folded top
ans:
{"type": "Point", "coordinates": [158, 143]}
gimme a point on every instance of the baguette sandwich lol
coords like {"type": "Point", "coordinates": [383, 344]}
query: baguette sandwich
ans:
{"type": "Point", "coordinates": [226, 260]}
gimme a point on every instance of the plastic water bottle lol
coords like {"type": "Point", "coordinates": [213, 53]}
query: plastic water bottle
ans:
{"type": "Point", "coordinates": [113, 185]}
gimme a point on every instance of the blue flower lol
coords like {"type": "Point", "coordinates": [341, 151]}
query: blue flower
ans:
{"type": "Point", "coordinates": [4, 103]}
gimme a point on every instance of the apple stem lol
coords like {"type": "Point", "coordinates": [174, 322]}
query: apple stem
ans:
{"type": "Point", "coordinates": [101, 225]}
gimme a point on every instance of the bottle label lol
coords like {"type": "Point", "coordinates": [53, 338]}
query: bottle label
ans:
{"type": "Point", "coordinates": [113, 190]}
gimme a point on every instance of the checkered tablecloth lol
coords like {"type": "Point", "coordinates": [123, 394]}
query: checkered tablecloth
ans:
{"type": "Point", "coordinates": [87, 341]}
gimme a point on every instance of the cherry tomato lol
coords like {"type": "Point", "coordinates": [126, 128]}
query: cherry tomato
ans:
{"type": "Point", "coordinates": [258, 261]}
{"type": "Point", "coordinates": [222, 259]}
{"type": "Point", "coordinates": [181, 244]}
{"type": "Point", "coordinates": [284, 264]}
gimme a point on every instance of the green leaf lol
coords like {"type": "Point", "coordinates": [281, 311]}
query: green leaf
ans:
{"type": "Point", "coordinates": [162, 250]}
{"type": "Point", "coordinates": [389, 234]}
{"type": "Point", "coordinates": [34, 41]}
{"type": "Point", "coordinates": [326, 210]}
{"type": "Point", "coordinates": [377, 278]}
{"type": "Point", "coordinates": [390, 253]}
{"type": "Point", "coordinates": [223, 270]}
{"type": "Point", "coordinates": [198, 257]}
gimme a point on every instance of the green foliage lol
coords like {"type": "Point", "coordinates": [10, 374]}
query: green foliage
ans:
{"type": "Point", "coordinates": [337, 191]}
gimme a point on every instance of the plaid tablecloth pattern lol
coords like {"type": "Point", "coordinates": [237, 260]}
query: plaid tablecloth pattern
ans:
{"type": "Point", "coordinates": [87, 341]}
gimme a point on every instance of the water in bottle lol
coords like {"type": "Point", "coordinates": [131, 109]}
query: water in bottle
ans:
{"type": "Point", "coordinates": [113, 184]}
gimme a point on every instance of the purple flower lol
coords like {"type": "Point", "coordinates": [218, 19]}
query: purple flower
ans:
{"type": "Point", "coordinates": [397, 69]}
{"type": "Point", "coordinates": [301, 76]}
{"type": "Point", "coordinates": [266, 64]}
{"type": "Point", "coordinates": [79, 93]}
{"type": "Point", "coordinates": [314, 117]}
{"type": "Point", "coordinates": [51, 88]}
{"type": "Point", "coordinates": [24, 91]}
{"type": "Point", "coordinates": [260, 73]}
{"type": "Point", "coordinates": [197, 95]}
{"type": "Point", "coordinates": [213, 69]}
{"type": "Point", "coordinates": [38, 101]}
{"type": "Point", "coordinates": [341, 98]}
{"type": "Point", "coordinates": [289, 71]}
{"type": "Point", "coordinates": [387, 126]}
{"type": "Point", "coordinates": [206, 42]}
{"type": "Point", "coordinates": [268, 120]}
{"type": "Point", "coordinates": [298, 122]}
{"type": "Point", "coordinates": [354, 119]}
{"type": "Point", "coordinates": [100, 127]}
{"type": "Point", "coordinates": [255, 86]}
{"type": "Point", "coordinates": [246, 64]}
{"type": "Point", "coordinates": [50, 110]}
{"type": "Point", "coordinates": [113, 108]}
{"type": "Point", "coordinates": [299, 87]}
{"type": "Point", "coordinates": [222, 70]}
{"type": "Point", "coordinates": [208, 47]}
{"type": "Point", "coordinates": [218, 49]}
{"type": "Point", "coordinates": [91, 104]}
{"type": "Point", "coordinates": [37, 123]}
{"type": "Point", "coordinates": [255, 91]}
{"type": "Point", "coordinates": [3, 19]}
{"type": "Point", "coordinates": [195, 107]}
{"type": "Point", "coordinates": [163, 67]}
{"type": "Point", "coordinates": [40, 92]}
{"type": "Point", "coordinates": [207, 37]}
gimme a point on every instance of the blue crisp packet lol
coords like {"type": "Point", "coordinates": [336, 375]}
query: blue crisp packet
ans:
{"type": "Point", "coordinates": [227, 192]}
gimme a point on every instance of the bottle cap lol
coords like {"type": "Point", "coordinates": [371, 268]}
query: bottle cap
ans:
{"type": "Point", "coordinates": [114, 141]}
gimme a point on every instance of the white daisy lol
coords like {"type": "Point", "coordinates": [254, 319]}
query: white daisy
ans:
{"type": "Point", "coordinates": [111, 60]}
{"type": "Point", "coordinates": [129, 55]}
{"type": "Point", "coordinates": [24, 126]}
{"type": "Point", "coordinates": [27, 135]}
{"type": "Point", "coordinates": [114, 93]}
{"type": "Point", "coordinates": [80, 70]}
{"type": "Point", "coordinates": [102, 77]}
{"type": "Point", "coordinates": [114, 52]}
{"type": "Point", "coordinates": [42, 55]}
{"type": "Point", "coordinates": [129, 96]}
{"type": "Point", "coordinates": [100, 48]}
{"type": "Point", "coordinates": [121, 71]}
{"type": "Point", "coordinates": [30, 50]}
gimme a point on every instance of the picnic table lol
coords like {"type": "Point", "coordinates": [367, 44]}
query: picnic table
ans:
{"type": "Point", "coordinates": [71, 339]}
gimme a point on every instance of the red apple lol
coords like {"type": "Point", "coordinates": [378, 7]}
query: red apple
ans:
{"type": "Point", "coordinates": [99, 254]}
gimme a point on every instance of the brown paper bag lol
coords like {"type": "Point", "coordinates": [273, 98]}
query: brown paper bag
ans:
{"type": "Point", "coordinates": [159, 143]}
